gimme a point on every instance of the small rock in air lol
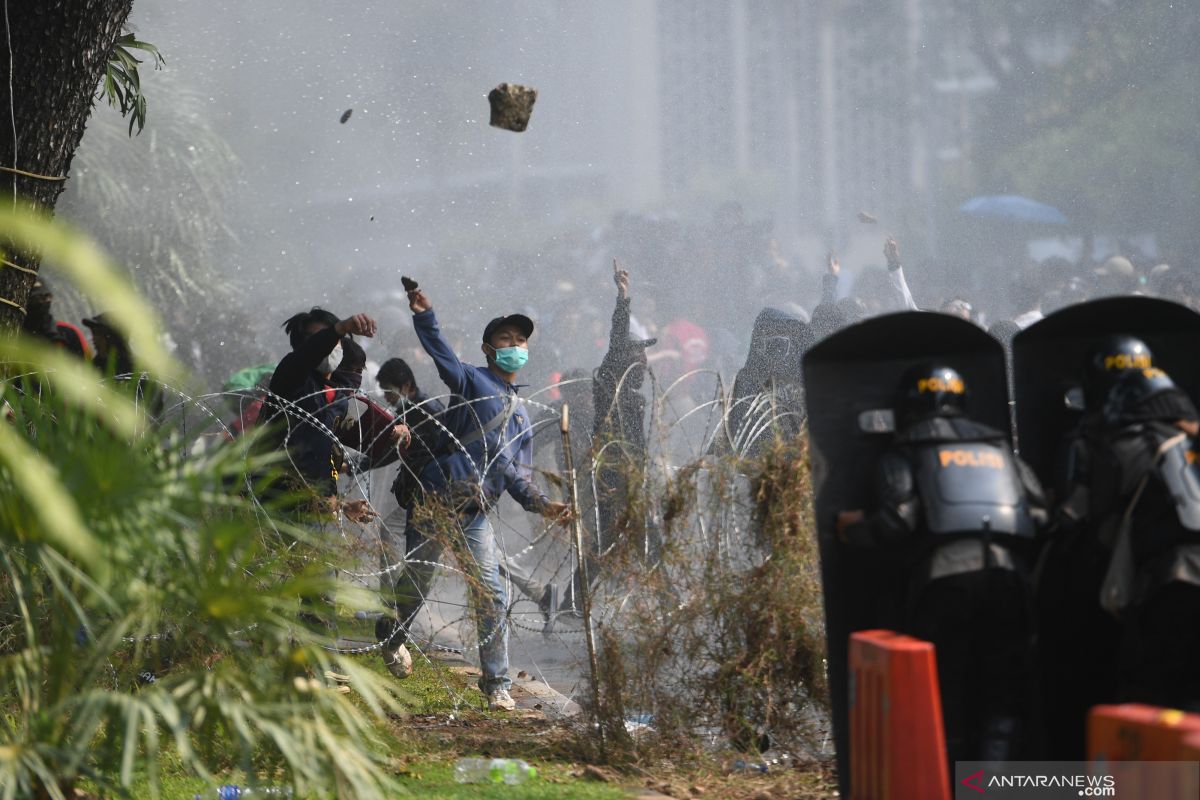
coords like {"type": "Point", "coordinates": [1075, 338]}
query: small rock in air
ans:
{"type": "Point", "coordinates": [346, 115]}
{"type": "Point", "coordinates": [511, 106]}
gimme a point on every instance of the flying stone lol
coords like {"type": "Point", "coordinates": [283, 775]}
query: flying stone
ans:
{"type": "Point", "coordinates": [511, 106]}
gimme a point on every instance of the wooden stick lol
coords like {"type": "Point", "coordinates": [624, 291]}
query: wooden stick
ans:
{"type": "Point", "coordinates": [584, 588]}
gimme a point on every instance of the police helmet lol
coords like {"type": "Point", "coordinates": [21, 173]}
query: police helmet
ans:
{"type": "Point", "coordinates": [931, 390]}
{"type": "Point", "coordinates": [1111, 358]}
{"type": "Point", "coordinates": [1141, 395]}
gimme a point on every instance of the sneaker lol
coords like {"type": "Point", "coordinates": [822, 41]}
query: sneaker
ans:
{"type": "Point", "coordinates": [501, 700]}
{"type": "Point", "coordinates": [336, 677]}
{"type": "Point", "coordinates": [398, 662]}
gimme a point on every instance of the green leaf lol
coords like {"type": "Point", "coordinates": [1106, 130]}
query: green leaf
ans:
{"type": "Point", "coordinates": [122, 83]}
{"type": "Point", "coordinates": [48, 499]}
{"type": "Point", "coordinates": [86, 265]}
{"type": "Point", "coordinates": [76, 382]}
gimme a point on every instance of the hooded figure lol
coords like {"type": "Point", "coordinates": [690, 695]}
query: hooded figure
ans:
{"type": "Point", "coordinates": [619, 428]}
{"type": "Point", "coordinates": [115, 359]}
{"type": "Point", "coordinates": [768, 395]}
{"type": "Point", "coordinates": [40, 322]}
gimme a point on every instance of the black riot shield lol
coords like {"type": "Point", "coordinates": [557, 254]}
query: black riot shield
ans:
{"type": "Point", "coordinates": [848, 379]}
{"type": "Point", "coordinates": [1078, 640]}
{"type": "Point", "coordinates": [1048, 365]}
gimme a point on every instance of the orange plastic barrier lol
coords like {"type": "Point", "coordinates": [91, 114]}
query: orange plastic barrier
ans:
{"type": "Point", "coordinates": [897, 745]}
{"type": "Point", "coordinates": [1190, 748]}
{"type": "Point", "coordinates": [1134, 732]}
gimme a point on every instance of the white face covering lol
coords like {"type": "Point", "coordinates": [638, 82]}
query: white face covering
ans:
{"type": "Point", "coordinates": [330, 362]}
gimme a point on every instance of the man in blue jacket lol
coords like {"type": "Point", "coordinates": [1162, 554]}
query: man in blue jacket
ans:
{"type": "Point", "coordinates": [489, 452]}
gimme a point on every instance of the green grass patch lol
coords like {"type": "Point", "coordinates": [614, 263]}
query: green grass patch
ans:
{"type": "Point", "coordinates": [436, 780]}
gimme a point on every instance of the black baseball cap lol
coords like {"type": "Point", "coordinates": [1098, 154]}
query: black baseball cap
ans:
{"type": "Point", "coordinates": [40, 287]}
{"type": "Point", "coordinates": [519, 321]}
{"type": "Point", "coordinates": [102, 321]}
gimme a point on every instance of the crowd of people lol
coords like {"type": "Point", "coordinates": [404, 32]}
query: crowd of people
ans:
{"type": "Point", "coordinates": [449, 463]}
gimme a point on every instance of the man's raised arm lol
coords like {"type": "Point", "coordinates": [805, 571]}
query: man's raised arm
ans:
{"type": "Point", "coordinates": [451, 370]}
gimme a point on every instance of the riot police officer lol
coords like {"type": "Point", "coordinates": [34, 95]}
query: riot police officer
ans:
{"type": "Point", "coordinates": [1077, 639]}
{"type": "Point", "coordinates": [958, 513]}
{"type": "Point", "coordinates": [1135, 488]}
{"type": "Point", "coordinates": [1128, 412]}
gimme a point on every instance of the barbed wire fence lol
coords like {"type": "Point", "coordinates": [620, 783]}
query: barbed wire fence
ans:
{"type": "Point", "coordinates": [707, 600]}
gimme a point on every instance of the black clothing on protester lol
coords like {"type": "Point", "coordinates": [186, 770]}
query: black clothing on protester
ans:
{"type": "Point", "coordinates": [829, 317]}
{"type": "Point", "coordinates": [619, 432]}
{"type": "Point", "coordinates": [422, 415]}
{"type": "Point", "coordinates": [768, 397]}
{"type": "Point", "coordinates": [962, 586]}
{"type": "Point", "coordinates": [301, 398]}
{"type": "Point", "coordinates": [40, 322]}
{"type": "Point", "coordinates": [617, 401]}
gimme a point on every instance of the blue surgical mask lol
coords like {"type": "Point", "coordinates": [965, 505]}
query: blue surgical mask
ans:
{"type": "Point", "coordinates": [511, 359]}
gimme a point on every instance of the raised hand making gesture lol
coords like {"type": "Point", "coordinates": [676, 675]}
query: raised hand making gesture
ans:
{"type": "Point", "coordinates": [891, 251]}
{"type": "Point", "coordinates": [621, 278]}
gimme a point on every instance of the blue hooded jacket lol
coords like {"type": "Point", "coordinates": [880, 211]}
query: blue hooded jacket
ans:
{"type": "Point", "coordinates": [501, 461]}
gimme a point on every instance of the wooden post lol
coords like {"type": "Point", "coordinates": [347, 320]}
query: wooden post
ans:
{"type": "Point", "coordinates": [584, 587]}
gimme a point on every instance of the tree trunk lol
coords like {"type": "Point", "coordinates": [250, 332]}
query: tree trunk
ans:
{"type": "Point", "coordinates": [59, 50]}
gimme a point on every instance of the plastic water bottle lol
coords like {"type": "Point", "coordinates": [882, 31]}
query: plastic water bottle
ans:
{"type": "Point", "coordinates": [230, 792]}
{"type": "Point", "coordinates": [493, 770]}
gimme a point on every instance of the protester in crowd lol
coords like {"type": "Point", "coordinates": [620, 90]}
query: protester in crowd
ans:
{"type": "Point", "coordinates": [429, 439]}
{"type": "Point", "coordinates": [958, 307]}
{"type": "Point", "coordinates": [768, 394]}
{"type": "Point", "coordinates": [40, 322]}
{"type": "Point", "coordinates": [244, 390]}
{"type": "Point", "coordinates": [1116, 275]}
{"type": "Point", "coordinates": [874, 293]}
{"type": "Point", "coordinates": [421, 414]}
{"type": "Point", "coordinates": [304, 408]}
{"type": "Point", "coordinates": [492, 454]}
{"type": "Point", "coordinates": [827, 316]}
{"type": "Point", "coordinates": [115, 360]}
{"type": "Point", "coordinates": [620, 423]}
{"type": "Point", "coordinates": [113, 356]}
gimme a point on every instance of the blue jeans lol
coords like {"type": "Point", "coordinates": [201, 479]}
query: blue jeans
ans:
{"type": "Point", "coordinates": [478, 557]}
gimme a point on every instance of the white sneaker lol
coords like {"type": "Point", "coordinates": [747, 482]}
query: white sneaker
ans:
{"type": "Point", "coordinates": [501, 700]}
{"type": "Point", "coordinates": [398, 662]}
{"type": "Point", "coordinates": [337, 681]}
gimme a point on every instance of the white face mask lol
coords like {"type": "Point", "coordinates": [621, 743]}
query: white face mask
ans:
{"type": "Point", "coordinates": [330, 362]}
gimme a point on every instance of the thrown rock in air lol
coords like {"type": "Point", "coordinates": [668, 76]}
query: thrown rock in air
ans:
{"type": "Point", "coordinates": [511, 106]}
